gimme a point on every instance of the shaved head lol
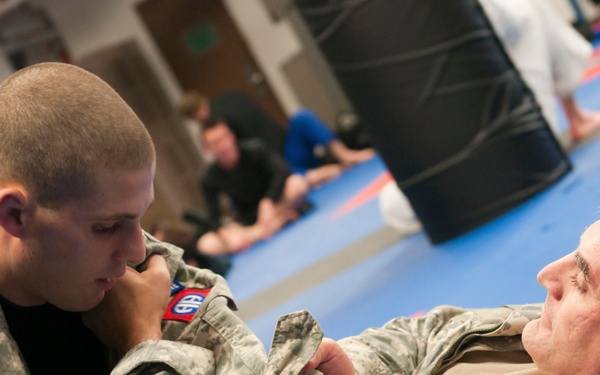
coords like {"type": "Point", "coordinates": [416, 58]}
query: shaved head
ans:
{"type": "Point", "coordinates": [60, 126]}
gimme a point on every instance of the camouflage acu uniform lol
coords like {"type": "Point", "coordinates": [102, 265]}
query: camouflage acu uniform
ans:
{"type": "Point", "coordinates": [428, 345]}
{"type": "Point", "coordinates": [215, 341]}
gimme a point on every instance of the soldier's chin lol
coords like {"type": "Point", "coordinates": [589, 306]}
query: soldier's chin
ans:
{"type": "Point", "coordinates": [80, 305]}
{"type": "Point", "coordinates": [532, 336]}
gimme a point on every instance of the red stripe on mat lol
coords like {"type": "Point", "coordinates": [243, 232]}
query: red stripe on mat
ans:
{"type": "Point", "coordinates": [593, 71]}
{"type": "Point", "coordinates": [363, 196]}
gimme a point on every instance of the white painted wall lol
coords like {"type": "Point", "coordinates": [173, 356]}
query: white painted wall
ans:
{"type": "Point", "coordinates": [88, 25]}
{"type": "Point", "coordinates": [272, 44]}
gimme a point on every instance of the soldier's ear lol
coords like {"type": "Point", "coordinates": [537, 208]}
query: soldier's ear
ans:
{"type": "Point", "coordinates": [14, 209]}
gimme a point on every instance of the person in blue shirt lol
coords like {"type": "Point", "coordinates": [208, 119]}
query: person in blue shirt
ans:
{"type": "Point", "coordinates": [308, 145]}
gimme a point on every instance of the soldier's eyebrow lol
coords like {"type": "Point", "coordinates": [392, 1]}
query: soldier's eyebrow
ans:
{"type": "Point", "coordinates": [122, 215]}
{"type": "Point", "coordinates": [584, 266]}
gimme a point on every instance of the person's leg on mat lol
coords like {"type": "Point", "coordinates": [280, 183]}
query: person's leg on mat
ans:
{"type": "Point", "coordinates": [550, 55]}
{"type": "Point", "coordinates": [229, 239]}
{"type": "Point", "coordinates": [306, 131]}
{"type": "Point", "coordinates": [320, 175]}
{"type": "Point", "coordinates": [348, 157]}
{"type": "Point", "coordinates": [582, 123]}
{"type": "Point", "coordinates": [272, 216]}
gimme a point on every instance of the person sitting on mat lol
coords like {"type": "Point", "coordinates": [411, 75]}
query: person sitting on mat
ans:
{"type": "Point", "coordinates": [308, 145]}
{"type": "Point", "coordinates": [550, 55]}
{"type": "Point", "coordinates": [313, 150]}
{"type": "Point", "coordinates": [264, 193]}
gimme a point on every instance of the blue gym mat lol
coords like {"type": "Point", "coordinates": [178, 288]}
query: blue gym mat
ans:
{"type": "Point", "coordinates": [494, 265]}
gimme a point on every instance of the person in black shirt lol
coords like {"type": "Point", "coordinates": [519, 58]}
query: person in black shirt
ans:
{"type": "Point", "coordinates": [264, 194]}
{"type": "Point", "coordinates": [246, 119]}
{"type": "Point", "coordinates": [307, 144]}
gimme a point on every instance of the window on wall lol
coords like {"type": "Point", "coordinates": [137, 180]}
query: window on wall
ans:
{"type": "Point", "coordinates": [27, 34]}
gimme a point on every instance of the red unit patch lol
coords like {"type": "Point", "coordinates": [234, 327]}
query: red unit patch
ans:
{"type": "Point", "coordinates": [183, 305]}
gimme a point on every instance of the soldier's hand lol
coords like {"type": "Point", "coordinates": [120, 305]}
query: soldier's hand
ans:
{"type": "Point", "coordinates": [330, 359]}
{"type": "Point", "coordinates": [132, 311]}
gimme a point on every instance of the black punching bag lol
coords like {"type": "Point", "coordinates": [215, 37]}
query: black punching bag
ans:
{"type": "Point", "coordinates": [455, 124]}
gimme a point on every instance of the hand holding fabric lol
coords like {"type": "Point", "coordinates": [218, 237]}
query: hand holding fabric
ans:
{"type": "Point", "coordinates": [132, 311]}
{"type": "Point", "coordinates": [330, 359]}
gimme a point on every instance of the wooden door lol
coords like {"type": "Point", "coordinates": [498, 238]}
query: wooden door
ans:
{"type": "Point", "coordinates": [205, 50]}
{"type": "Point", "coordinates": [176, 184]}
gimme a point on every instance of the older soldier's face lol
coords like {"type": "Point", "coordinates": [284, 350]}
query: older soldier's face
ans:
{"type": "Point", "coordinates": [566, 338]}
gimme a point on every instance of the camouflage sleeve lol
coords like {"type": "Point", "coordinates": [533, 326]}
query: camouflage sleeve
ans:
{"type": "Point", "coordinates": [296, 339]}
{"type": "Point", "coordinates": [11, 362]}
{"type": "Point", "coordinates": [166, 357]}
{"type": "Point", "coordinates": [237, 350]}
{"type": "Point", "coordinates": [402, 345]}
{"type": "Point", "coordinates": [213, 339]}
